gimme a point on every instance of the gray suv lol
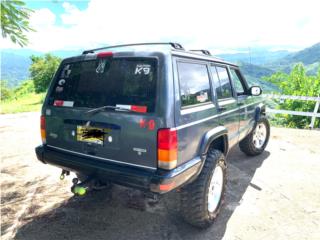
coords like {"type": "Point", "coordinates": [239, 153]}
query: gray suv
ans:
{"type": "Point", "coordinates": [152, 116]}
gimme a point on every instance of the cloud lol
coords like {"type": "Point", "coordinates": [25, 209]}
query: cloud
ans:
{"type": "Point", "coordinates": [72, 14]}
{"type": "Point", "coordinates": [218, 25]}
{"type": "Point", "coordinates": [42, 18]}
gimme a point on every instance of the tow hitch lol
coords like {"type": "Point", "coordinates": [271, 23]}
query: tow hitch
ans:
{"type": "Point", "coordinates": [80, 189]}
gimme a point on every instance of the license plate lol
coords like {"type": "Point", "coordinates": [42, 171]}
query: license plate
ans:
{"type": "Point", "coordinates": [91, 134]}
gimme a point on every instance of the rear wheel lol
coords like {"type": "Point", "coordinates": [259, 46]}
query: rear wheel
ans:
{"type": "Point", "coordinates": [255, 143]}
{"type": "Point", "coordinates": [202, 199]}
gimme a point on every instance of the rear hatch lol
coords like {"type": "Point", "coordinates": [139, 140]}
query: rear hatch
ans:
{"type": "Point", "coordinates": [104, 108]}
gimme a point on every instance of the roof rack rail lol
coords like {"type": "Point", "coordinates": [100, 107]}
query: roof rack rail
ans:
{"type": "Point", "coordinates": [174, 45]}
{"type": "Point", "coordinates": [203, 51]}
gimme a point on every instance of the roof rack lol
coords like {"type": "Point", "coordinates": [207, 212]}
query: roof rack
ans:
{"type": "Point", "coordinates": [174, 45]}
{"type": "Point", "coordinates": [203, 51]}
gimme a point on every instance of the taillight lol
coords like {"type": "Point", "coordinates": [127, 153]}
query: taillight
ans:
{"type": "Point", "coordinates": [43, 128]}
{"type": "Point", "coordinates": [167, 148]}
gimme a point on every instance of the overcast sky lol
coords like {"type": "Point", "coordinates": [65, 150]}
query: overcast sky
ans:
{"type": "Point", "coordinates": [223, 25]}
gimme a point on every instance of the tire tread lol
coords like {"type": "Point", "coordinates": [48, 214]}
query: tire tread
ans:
{"type": "Point", "coordinates": [194, 195]}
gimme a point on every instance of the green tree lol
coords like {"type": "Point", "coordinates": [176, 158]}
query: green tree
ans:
{"type": "Point", "coordinates": [297, 83]}
{"type": "Point", "coordinates": [15, 21]}
{"type": "Point", "coordinates": [42, 70]}
{"type": "Point", "coordinates": [5, 91]}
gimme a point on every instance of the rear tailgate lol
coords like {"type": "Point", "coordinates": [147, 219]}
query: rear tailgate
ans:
{"type": "Point", "coordinates": [125, 137]}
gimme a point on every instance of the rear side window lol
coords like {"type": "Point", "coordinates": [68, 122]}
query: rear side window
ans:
{"type": "Point", "coordinates": [224, 89]}
{"type": "Point", "coordinates": [96, 83]}
{"type": "Point", "coordinates": [194, 83]}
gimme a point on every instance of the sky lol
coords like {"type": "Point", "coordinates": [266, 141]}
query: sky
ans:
{"type": "Point", "coordinates": [222, 26]}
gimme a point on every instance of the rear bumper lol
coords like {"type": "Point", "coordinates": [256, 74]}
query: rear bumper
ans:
{"type": "Point", "coordinates": [158, 181]}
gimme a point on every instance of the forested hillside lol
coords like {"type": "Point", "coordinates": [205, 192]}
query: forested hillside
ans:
{"type": "Point", "coordinates": [14, 68]}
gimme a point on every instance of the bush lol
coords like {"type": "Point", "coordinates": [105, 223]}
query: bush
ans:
{"type": "Point", "coordinates": [5, 92]}
{"type": "Point", "coordinates": [297, 83]}
{"type": "Point", "coordinates": [24, 88]}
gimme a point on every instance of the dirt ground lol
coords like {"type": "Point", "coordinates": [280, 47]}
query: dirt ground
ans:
{"type": "Point", "coordinates": [273, 196]}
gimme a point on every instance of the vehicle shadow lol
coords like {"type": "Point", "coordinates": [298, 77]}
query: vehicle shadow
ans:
{"type": "Point", "coordinates": [127, 214]}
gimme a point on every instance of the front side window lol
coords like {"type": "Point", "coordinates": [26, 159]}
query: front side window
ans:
{"type": "Point", "coordinates": [235, 75]}
{"type": "Point", "coordinates": [194, 83]}
{"type": "Point", "coordinates": [223, 88]}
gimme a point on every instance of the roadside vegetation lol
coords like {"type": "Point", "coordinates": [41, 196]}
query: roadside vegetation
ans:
{"type": "Point", "coordinates": [29, 95]}
{"type": "Point", "coordinates": [296, 83]}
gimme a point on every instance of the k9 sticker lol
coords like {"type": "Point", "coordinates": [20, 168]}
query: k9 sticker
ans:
{"type": "Point", "coordinates": [142, 69]}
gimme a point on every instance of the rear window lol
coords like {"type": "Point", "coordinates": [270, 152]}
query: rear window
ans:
{"type": "Point", "coordinates": [108, 81]}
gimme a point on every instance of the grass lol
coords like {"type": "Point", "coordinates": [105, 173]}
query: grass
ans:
{"type": "Point", "coordinates": [28, 103]}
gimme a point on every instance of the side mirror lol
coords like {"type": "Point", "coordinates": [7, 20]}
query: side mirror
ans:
{"type": "Point", "coordinates": [255, 91]}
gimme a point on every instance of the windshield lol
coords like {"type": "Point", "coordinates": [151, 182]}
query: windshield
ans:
{"type": "Point", "coordinates": [108, 81]}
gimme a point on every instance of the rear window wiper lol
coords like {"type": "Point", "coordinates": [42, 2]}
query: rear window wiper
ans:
{"type": "Point", "coordinates": [98, 109]}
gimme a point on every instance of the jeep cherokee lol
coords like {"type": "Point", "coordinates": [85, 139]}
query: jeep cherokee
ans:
{"type": "Point", "coordinates": [155, 117]}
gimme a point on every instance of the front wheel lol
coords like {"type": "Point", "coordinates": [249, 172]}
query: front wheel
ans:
{"type": "Point", "coordinates": [255, 143]}
{"type": "Point", "coordinates": [202, 199]}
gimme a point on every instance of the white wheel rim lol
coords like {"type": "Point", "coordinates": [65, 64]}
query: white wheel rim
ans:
{"type": "Point", "coordinates": [215, 189]}
{"type": "Point", "coordinates": [259, 135]}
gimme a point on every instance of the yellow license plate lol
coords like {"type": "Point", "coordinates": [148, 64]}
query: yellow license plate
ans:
{"type": "Point", "coordinates": [91, 134]}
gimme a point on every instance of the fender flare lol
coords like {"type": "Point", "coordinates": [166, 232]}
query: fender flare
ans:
{"type": "Point", "coordinates": [210, 136]}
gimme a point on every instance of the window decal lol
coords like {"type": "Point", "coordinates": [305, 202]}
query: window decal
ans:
{"type": "Point", "coordinates": [61, 82]}
{"type": "Point", "coordinates": [65, 73]}
{"type": "Point", "coordinates": [142, 69]}
{"type": "Point", "coordinates": [101, 66]}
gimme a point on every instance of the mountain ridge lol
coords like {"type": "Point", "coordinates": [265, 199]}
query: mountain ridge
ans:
{"type": "Point", "coordinates": [254, 64]}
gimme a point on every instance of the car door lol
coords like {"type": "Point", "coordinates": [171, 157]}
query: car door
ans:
{"type": "Point", "coordinates": [226, 101]}
{"type": "Point", "coordinates": [245, 102]}
{"type": "Point", "coordinates": [195, 108]}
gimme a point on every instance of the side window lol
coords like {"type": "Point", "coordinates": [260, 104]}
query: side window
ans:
{"type": "Point", "coordinates": [216, 81]}
{"type": "Point", "coordinates": [224, 90]}
{"type": "Point", "coordinates": [235, 75]}
{"type": "Point", "coordinates": [194, 83]}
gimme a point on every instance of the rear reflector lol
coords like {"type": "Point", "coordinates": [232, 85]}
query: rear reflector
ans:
{"type": "Point", "coordinates": [104, 54]}
{"type": "Point", "coordinates": [167, 148]}
{"type": "Point", "coordinates": [166, 187]}
{"type": "Point", "coordinates": [43, 128]}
